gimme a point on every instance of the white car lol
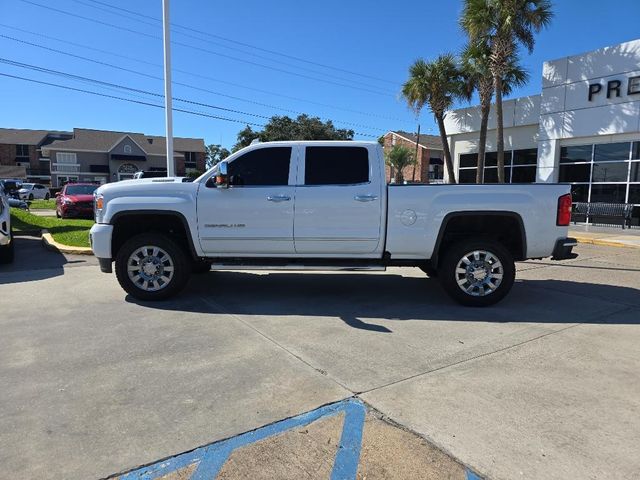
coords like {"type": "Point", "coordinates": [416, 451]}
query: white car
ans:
{"type": "Point", "coordinates": [33, 191]}
{"type": "Point", "coordinates": [324, 206]}
{"type": "Point", "coordinates": [6, 237]}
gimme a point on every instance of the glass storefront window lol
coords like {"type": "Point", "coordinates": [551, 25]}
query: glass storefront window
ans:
{"type": "Point", "coordinates": [491, 175]}
{"type": "Point", "coordinates": [635, 172]}
{"type": "Point", "coordinates": [576, 153]}
{"type": "Point", "coordinates": [491, 159]}
{"type": "Point", "coordinates": [634, 194]}
{"type": "Point", "coordinates": [635, 151]}
{"type": "Point", "coordinates": [523, 174]}
{"type": "Point", "coordinates": [610, 172]}
{"type": "Point", "coordinates": [467, 175]}
{"type": "Point", "coordinates": [612, 193]}
{"type": "Point", "coordinates": [469, 160]}
{"type": "Point", "coordinates": [580, 193]}
{"type": "Point", "coordinates": [607, 152]}
{"type": "Point", "coordinates": [525, 157]}
{"type": "Point", "coordinates": [575, 173]}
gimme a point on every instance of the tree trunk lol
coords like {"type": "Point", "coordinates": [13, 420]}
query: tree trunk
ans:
{"type": "Point", "coordinates": [445, 147]}
{"type": "Point", "coordinates": [399, 178]}
{"type": "Point", "coordinates": [500, 127]}
{"type": "Point", "coordinates": [485, 108]}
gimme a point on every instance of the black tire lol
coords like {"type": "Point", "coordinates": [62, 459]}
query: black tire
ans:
{"type": "Point", "coordinates": [201, 266]}
{"type": "Point", "coordinates": [181, 267]}
{"type": "Point", "coordinates": [449, 277]}
{"type": "Point", "coordinates": [57, 213]}
{"type": "Point", "coordinates": [31, 196]}
{"type": "Point", "coordinates": [47, 196]}
{"type": "Point", "coordinates": [7, 252]}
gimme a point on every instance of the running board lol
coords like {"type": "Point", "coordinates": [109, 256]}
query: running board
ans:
{"type": "Point", "coordinates": [294, 267]}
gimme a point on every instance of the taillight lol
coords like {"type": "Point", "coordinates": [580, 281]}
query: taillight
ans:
{"type": "Point", "coordinates": [564, 211]}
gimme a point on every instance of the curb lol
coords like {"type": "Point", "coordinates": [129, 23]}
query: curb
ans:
{"type": "Point", "coordinates": [605, 243]}
{"type": "Point", "coordinates": [50, 244]}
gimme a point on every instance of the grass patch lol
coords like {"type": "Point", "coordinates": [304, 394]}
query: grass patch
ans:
{"type": "Point", "coordinates": [68, 231]}
{"type": "Point", "coordinates": [43, 204]}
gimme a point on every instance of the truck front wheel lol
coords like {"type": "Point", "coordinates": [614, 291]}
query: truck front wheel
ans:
{"type": "Point", "coordinates": [152, 267]}
{"type": "Point", "coordinates": [477, 273]}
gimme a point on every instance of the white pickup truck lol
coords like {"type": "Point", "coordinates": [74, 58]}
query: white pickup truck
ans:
{"type": "Point", "coordinates": [324, 206]}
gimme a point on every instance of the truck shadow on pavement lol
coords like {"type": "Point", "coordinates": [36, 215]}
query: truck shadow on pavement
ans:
{"type": "Point", "coordinates": [358, 298]}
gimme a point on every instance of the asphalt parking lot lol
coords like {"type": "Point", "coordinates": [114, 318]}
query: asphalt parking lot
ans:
{"type": "Point", "coordinates": [544, 385]}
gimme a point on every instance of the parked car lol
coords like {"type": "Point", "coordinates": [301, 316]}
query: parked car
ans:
{"type": "Point", "coordinates": [6, 235]}
{"type": "Point", "coordinates": [32, 191]}
{"type": "Point", "coordinates": [75, 200]}
{"type": "Point", "coordinates": [241, 215]}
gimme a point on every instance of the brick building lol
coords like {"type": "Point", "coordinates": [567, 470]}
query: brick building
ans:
{"type": "Point", "coordinates": [101, 156]}
{"type": "Point", "coordinates": [429, 167]}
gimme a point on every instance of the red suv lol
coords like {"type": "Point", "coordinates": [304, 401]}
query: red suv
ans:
{"type": "Point", "coordinates": [75, 200]}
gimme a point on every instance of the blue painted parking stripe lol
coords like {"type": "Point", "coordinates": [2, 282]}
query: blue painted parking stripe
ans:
{"type": "Point", "coordinates": [348, 455]}
{"type": "Point", "coordinates": [472, 476]}
{"type": "Point", "coordinates": [210, 459]}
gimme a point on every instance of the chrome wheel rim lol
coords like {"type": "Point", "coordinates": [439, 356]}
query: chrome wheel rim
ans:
{"type": "Point", "coordinates": [150, 268]}
{"type": "Point", "coordinates": [479, 273]}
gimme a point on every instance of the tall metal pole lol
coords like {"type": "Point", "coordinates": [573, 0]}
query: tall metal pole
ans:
{"type": "Point", "coordinates": [168, 104]}
{"type": "Point", "coordinates": [416, 158]}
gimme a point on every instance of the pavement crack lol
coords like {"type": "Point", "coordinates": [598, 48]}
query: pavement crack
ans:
{"type": "Point", "coordinates": [486, 354]}
{"type": "Point", "coordinates": [322, 372]}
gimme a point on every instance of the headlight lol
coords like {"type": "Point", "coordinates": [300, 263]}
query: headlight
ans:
{"type": "Point", "coordinates": [66, 201]}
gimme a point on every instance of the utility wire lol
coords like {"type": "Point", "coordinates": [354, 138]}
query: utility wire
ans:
{"type": "Point", "coordinates": [209, 41]}
{"type": "Point", "coordinates": [154, 77]}
{"type": "Point", "coordinates": [205, 50]}
{"type": "Point", "coordinates": [136, 90]}
{"type": "Point", "coordinates": [273, 52]}
{"type": "Point", "coordinates": [193, 74]}
{"type": "Point", "coordinates": [66, 87]}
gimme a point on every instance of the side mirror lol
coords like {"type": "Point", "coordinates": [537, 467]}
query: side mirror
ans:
{"type": "Point", "coordinates": [57, 194]}
{"type": "Point", "coordinates": [221, 179]}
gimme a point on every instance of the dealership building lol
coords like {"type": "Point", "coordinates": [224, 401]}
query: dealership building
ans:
{"type": "Point", "coordinates": [584, 128]}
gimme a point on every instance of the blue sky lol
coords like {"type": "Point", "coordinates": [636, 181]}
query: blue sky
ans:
{"type": "Point", "coordinates": [377, 42]}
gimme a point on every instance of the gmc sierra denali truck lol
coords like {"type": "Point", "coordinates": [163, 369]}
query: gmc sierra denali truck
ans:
{"type": "Point", "coordinates": [324, 206]}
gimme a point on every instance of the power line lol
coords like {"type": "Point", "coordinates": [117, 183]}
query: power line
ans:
{"type": "Point", "coordinates": [273, 52]}
{"type": "Point", "coordinates": [62, 52]}
{"type": "Point", "coordinates": [119, 13]}
{"type": "Point", "coordinates": [205, 50]}
{"type": "Point", "coordinates": [136, 90]}
{"type": "Point", "coordinates": [114, 97]}
{"type": "Point", "coordinates": [197, 75]}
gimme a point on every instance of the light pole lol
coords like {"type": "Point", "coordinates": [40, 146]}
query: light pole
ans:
{"type": "Point", "coordinates": [168, 107]}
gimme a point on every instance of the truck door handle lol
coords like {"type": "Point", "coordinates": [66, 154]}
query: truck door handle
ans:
{"type": "Point", "coordinates": [278, 198]}
{"type": "Point", "coordinates": [365, 198]}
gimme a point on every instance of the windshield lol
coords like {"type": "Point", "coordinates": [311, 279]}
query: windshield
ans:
{"type": "Point", "coordinates": [28, 186]}
{"type": "Point", "coordinates": [80, 189]}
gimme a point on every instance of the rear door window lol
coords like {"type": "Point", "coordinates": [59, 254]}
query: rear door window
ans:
{"type": "Point", "coordinates": [336, 165]}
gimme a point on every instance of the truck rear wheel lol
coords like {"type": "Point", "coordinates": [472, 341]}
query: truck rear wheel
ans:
{"type": "Point", "coordinates": [477, 273]}
{"type": "Point", "coordinates": [152, 266]}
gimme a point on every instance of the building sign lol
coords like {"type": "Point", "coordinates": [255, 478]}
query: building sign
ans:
{"type": "Point", "coordinates": [615, 88]}
{"type": "Point", "coordinates": [127, 168]}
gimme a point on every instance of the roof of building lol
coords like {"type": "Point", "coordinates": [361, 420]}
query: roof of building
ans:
{"type": "Point", "coordinates": [18, 136]}
{"type": "Point", "coordinates": [105, 140]}
{"type": "Point", "coordinates": [428, 141]}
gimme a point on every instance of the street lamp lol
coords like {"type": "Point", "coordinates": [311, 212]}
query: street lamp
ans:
{"type": "Point", "coordinates": [168, 107]}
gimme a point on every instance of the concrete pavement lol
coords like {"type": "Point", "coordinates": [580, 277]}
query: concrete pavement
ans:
{"type": "Point", "coordinates": [540, 386]}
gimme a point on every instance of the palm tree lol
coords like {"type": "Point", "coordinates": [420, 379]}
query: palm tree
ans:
{"type": "Point", "coordinates": [399, 157]}
{"type": "Point", "coordinates": [436, 84]}
{"type": "Point", "coordinates": [504, 25]}
{"type": "Point", "coordinates": [476, 70]}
